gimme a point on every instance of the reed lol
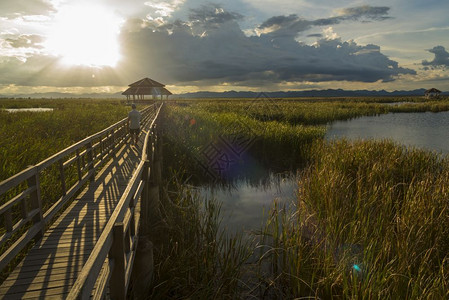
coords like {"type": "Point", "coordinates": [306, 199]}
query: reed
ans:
{"type": "Point", "coordinates": [370, 222]}
{"type": "Point", "coordinates": [194, 258]}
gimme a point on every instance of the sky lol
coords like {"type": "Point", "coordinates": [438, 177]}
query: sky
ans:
{"type": "Point", "coordinates": [101, 46]}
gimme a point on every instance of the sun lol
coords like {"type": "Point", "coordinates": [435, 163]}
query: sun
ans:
{"type": "Point", "coordinates": [85, 35]}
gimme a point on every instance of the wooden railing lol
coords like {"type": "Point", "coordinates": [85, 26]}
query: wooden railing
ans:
{"type": "Point", "coordinates": [24, 213]}
{"type": "Point", "coordinates": [110, 262]}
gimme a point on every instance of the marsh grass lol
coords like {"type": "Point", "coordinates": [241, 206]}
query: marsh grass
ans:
{"type": "Point", "coordinates": [275, 145]}
{"type": "Point", "coordinates": [370, 222]}
{"type": "Point", "coordinates": [371, 217]}
{"type": "Point", "coordinates": [194, 258]}
{"type": "Point", "coordinates": [27, 138]}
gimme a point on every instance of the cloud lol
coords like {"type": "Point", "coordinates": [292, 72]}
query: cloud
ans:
{"type": "Point", "coordinates": [293, 24]}
{"type": "Point", "coordinates": [378, 13]}
{"type": "Point", "coordinates": [213, 15]}
{"type": "Point", "coordinates": [44, 70]}
{"type": "Point", "coordinates": [163, 8]}
{"type": "Point", "coordinates": [224, 55]}
{"type": "Point", "coordinates": [210, 48]}
{"type": "Point", "coordinates": [441, 59]}
{"type": "Point", "coordinates": [26, 41]}
{"type": "Point", "coordinates": [17, 8]}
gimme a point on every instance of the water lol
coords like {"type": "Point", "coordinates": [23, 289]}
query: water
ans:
{"type": "Point", "coordinates": [245, 206]}
{"type": "Point", "coordinates": [426, 130]}
{"type": "Point", "coordinates": [35, 109]}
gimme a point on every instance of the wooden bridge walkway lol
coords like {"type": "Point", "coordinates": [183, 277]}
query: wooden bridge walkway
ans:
{"type": "Point", "coordinates": [88, 250]}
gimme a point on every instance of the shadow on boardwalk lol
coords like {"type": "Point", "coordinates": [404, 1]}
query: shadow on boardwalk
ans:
{"type": "Point", "coordinates": [52, 266]}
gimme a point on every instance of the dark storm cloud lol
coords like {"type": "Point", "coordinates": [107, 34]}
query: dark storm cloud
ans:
{"type": "Point", "coordinates": [378, 13]}
{"type": "Point", "coordinates": [26, 41]}
{"type": "Point", "coordinates": [223, 54]}
{"type": "Point", "coordinates": [210, 48]}
{"type": "Point", "coordinates": [212, 14]}
{"type": "Point", "coordinates": [280, 21]}
{"type": "Point", "coordinates": [293, 22]}
{"type": "Point", "coordinates": [441, 59]}
{"type": "Point", "coordinates": [16, 8]}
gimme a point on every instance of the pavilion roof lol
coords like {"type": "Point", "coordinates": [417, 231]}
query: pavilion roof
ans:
{"type": "Point", "coordinates": [433, 90]}
{"type": "Point", "coordinates": [146, 82]}
{"type": "Point", "coordinates": [147, 91]}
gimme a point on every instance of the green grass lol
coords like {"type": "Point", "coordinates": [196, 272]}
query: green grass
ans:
{"type": "Point", "coordinates": [371, 217]}
{"type": "Point", "coordinates": [26, 138]}
{"type": "Point", "coordinates": [370, 223]}
{"type": "Point", "coordinates": [194, 259]}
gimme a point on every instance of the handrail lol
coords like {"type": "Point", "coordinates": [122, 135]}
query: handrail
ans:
{"type": "Point", "coordinates": [84, 156]}
{"type": "Point", "coordinates": [110, 243]}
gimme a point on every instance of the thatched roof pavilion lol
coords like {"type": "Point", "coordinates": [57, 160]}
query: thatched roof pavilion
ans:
{"type": "Point", "coordinates": [146, 86]}
{"type": "Point", "coordinates": [432, 93]}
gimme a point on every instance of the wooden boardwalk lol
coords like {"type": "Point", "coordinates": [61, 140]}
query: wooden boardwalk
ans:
{"type": "Point", "coordinates": [87, 241]}
{"type": "Point", "coordinates": [52, 266]}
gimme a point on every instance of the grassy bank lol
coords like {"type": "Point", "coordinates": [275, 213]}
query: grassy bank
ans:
{"type": "Point", "coordinates": [370, 220]}
{"type": "Point", "coordinates": [192, 132]}
{"type": "Point", "coordinates": [370, 223]}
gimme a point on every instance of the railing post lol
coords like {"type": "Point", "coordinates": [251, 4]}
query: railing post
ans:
{"type": "Point", "coordinates": [144, 208]}
{"type": "Point", "coordinates": [63, 185]}
{"type": "Point", "coordinates": [113, 145]}
{"type": "Point", "coordinates": [90, 160]}
{"type": "Point", "coordinates": [158, 156]}
{"type": "Point", "coordinates": [36, 202]}
{"type": "Point", "coordinates": [78, 165]}
{"type": "Point", "coordinates": [117, 282]}
{"type": "Point", "coordinates": [154, 180]}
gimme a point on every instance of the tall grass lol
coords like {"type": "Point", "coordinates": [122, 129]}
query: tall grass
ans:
{"type": "Point", "coordinates": [194, 258]}
{"type": "Point", "coordinates": [27, 138]}
{"type": "Point", "coordinates": [275, 145]}
{"type": "Point", "coordinates": [370, 223]}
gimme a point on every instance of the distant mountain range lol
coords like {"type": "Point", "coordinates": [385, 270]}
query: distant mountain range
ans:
{"type": "Point", "coordinates": [235, 94]}
{"type": "Point", "coordinates": [310, 93]}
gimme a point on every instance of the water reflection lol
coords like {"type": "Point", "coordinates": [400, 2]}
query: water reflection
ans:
{"type": "Point", "coordinates": [35, 109]}
{"type": "Point", "coordinates": [422, 130]}
{"type": "Point", "coordinates": [245, 204]}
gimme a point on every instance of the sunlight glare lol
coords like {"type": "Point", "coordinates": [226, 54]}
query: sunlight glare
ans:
{"type": "Point", "coordinates": [85, 35]}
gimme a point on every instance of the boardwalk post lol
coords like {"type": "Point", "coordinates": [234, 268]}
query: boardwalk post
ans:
{"type": "Point", "coordinates": [109, 265]}
{"type": "Point", "coordinates": [78, 165]}
{"type": "Point", "coordinates": [36, 201]}
{"type": "Point", "coordinates": [144, 215]}
{"type": "Point", "coordinates": [90, 160]}
{"type": "Point", "coordinates": [62, 176]}
{"type": "Point", "coordinates": [117, 253]}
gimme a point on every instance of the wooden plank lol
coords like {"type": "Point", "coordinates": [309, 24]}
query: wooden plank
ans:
{"type": "Point", "coordinates": [15, 249]}
{"type": "Point", "coordinates": [69, 243]}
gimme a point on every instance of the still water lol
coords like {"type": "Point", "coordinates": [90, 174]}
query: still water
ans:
{"type": "Point", "coordinates": [426, 130]}
{"type": "Point", "coordinates": [245, 206]}
{"type": "Point", "coordinates": [34, 109]}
